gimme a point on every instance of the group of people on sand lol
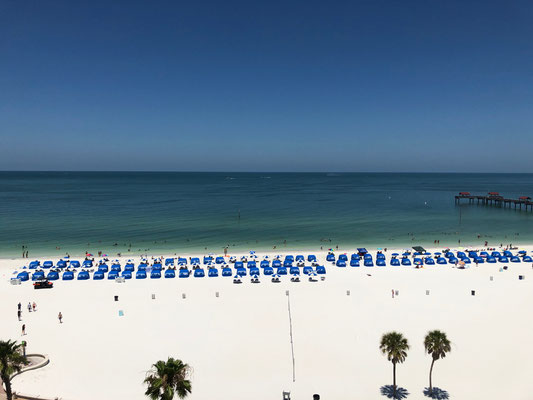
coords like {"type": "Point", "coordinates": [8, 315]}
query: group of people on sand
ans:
{"type": "Point", "coordinates": [32, 307]}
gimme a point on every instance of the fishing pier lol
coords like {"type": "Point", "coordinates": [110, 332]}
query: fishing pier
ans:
{"type": "Point", "coordinates": [495, 199]}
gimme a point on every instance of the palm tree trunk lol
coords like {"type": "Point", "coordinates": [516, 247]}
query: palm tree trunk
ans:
{"type": "Point", "coordinates": [394, 379]}
{"type": "Point", "coordinates": [430, 372]}
{"type": "Point", "coordinates": [7, 383]}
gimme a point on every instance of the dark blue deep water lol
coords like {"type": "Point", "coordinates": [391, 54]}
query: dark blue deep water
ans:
{"type": "Point", "coordinates": [173, 212]}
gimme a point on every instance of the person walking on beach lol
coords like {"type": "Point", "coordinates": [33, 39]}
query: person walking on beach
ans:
{"type": "Point", "coordinates": [19, 306]}
{"type": "Point", "coordinates": [19, 314]}
{"type": "Point", "coordinates": [60, 317]}
{"type": "Point", "coordinates": [23, 329]}
{"type": "Point", "coordinates": [29, 307]}
{"type": "Point", "coordinates": [34, 306]}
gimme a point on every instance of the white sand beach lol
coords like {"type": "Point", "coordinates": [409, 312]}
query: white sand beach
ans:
{"type": "Point", "coordinates": [239, 343]}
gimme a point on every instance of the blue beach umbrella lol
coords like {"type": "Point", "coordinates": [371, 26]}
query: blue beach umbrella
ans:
{"type": "Point", "coordinates": [395, 254]}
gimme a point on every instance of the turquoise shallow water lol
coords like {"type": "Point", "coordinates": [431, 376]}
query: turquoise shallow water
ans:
{"type": "Point", "coordinates": [173, 212]}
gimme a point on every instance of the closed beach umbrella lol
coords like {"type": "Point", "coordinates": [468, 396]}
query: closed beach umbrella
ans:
{"type": "Point", "coordinates": [395, 254]}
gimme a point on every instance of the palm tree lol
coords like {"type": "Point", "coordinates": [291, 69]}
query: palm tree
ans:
{"type": "Point", "coordinates": [11, 361]}
{"type": "Point", "coordinates": [437, 344]}
{"type": "Point", "coordinates": [167, 379]}
{"type": "Point", "coordinates": [395, 346]}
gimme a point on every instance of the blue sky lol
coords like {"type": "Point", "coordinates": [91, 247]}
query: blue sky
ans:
{"type": "Point", "coordinates": [267, 86]}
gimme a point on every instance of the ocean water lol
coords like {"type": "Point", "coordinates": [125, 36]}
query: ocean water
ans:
{"type": "Point", "coordinates": [58, 212]}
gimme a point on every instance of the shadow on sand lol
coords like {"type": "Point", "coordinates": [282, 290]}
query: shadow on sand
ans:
{"type": "Point", "coordinates": [388, 391]}
{"type": "Point", "coordinates": [437, 393]}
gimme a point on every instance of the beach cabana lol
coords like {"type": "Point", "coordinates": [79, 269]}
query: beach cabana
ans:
{"type": "Point", "coordinates": [254, 271]}
{"type": "Point", "coordinates": [126, 274]}
{"type": "Point", "coordinates": [155, 274]}
{"type": "Point", "coordinates": [307, 270]}
{"type": "Point", "coordinates": [341, 263]}
{"type": "Point", "coordinates": [282, 271]}
{"type": "Point", "coordinates": [330, 257]}
{"type": "Point", "coordinates": [184, 273]}
{"type": "Point", "coordinates": [141, 274]}
{"type": "Point", "coordinates": [75, 264]}
{"type": "Point", "coordinates": [368, 262]}
{"type": "Point", "coordinates": [213, 272]}
{"type": "Point", "coordinates": [34, 264]}
{"type": "Point", "coordinates": [311, 258]}
{"type": "Point", "coordinates": [449, 254]}
{"type": "Point", "coordinates": [68, 276]}
{"type": "Point", "coordinates": [199, 273]}
{"type": "Point", "coordinates": [241, 271]}
{"type": "Point", "coordinates": [394, 262]}
{"type": "Point", "coordinates": [98, 276]}
{"type": "Point", "coordinates": [491, 260]}
{"type": "Point", "coordinates": [515, 259]}
{"type": "Point", "coordinates": [355, 256]}
{"type": "Point", "coordinates": [83, 276]}
{"type": "Point", "coordinates": [226, 271]}
{"type": "Point", "coordinates": [48, 264]}
{"type": "Point", "coordinates": [406, 262]}
{"type": "Point", "coordinates": [268, 271]}
{"type": "Point", "coordinates": [461, 254]}
{"type": "Point", "coordinates": [354, 263]}
{"type": "Point", "coordinates": [381, 262]}
{"type": "Point", "coordinates": [112, 275]}
{"type": "Point", "coordinates": [52, 276]}
{"type": "Point", "coordinates": [23, 276]}
{"type": "Point", "coordinates": [61, 264]}
{"type": "Point", "coordinates": [294, 271]}
{"type": "Point", "coordinates": [103, 268]}
{"type": "Point", "coordinates": [37, 275]}
{"type": "Point", "coordinates": [527, 259]}
{"type": "Point", "coordinates": [320, 270]}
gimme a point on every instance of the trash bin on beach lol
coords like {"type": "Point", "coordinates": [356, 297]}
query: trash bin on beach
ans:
{"type": "Point", "coordinates": [521, 277]}
{"type": "Point", "coordinates": [473, 292]}
{"type": "Point", "coordinates": [116, 298]}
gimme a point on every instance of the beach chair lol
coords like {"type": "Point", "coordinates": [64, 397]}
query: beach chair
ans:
{"type": "Point", "coordinates": [103, 268]}
{"type": "Point", "coordinates": [368, 262]}
{"type": "Point", "coordinates": [37, 275]}
{"type": "Point", "coordinates": [170, 273]}
{"type": "Point", "coordinates": [491, 260]}
{"type": "Point", "coordinates": [219, 260]}
{"type": "Point", "coordinates": [48, 264]}
{"type": "Point", "coordinates": [226, 271]}
{"type": "Point", "coordinates": [429, 261]}
{"type": "Point", "coordinates": [199, 273]}
{"type": "Point", "coordinates": [112, 275]}
{"type": "Point", "coordinates": [126, 274]}
{"type": "Point", "coordinates": [294, 271]}
{"type": "Point", "coordinates": [307, 270]}
{"type": "Point", "coordinates": [61, 264]}
{"type": "Point", "coordinates": [98, 276]}
{"type": "Point", "coordinates": [354, 263]}
{"type": "Point", "coordinates": [441, 260]}
{"type": "Point", "coordinates": [83, 276]}
{"type": "Point", "coordinates": [241, 271]}
{"type": "Point", "coordinates": [213, 272]}
{"type": "Point", "coordinates": [264, 264]}
{"type": "Point", "coordinates": [34, 264]}
{"type": "Point", "coordinates": [268, 271]}
{"type": "Point", "coordinates": [515, 259]}
{"type": "Point", "coordinates": [276, 263]}
{"type": "Point", "coordinates": [254, 271]}
{"type": "Point", "coordinates": [320, 270]}
{"type": "Point", "coordinates": [311, 258]}
{"type": "Point", "coordinates": [406, 262]}
{"type": "Point", "coordinates": [251, 264]}
{"type": "Point", "coordinates": [282, 271]}
{"type": "Point", "coordinates": [23, 276]}
{"type": "Point", "coordinates": [381, 262]}
{"type": "Point", "coordinates": [330, 257]}
{"type": "Point", "coordinates": [341, 263]}
{"type": "Point", "coordinates": [184, 273]}
{"type": "Point", "coordinates": [140, 274]}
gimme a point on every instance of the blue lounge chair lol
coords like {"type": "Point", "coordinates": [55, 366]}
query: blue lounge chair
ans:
{"type": "Point", "coordinates": [75, 264]}
{"type": "Point", "coordinates": [354, 263]}
{"type": "Point", "coordinates": [282, 271]}
{"type": "Point", "coordinates": [169, 261]}
{"type": "Point", "coordinates": [48, 264]}
{"type": "Point", "coordinates": [453, 260]}
{"type": "Point", "coordinates": [515, 259]}
{"type": "Point", "coordinates": [142, 267]}
{"type": "Point", "coordinates": [503, 259]}
{"type": "Point", "coordinates": [87, 264]}
{"type": "Point", "coordinates": [461, 254]}
{"type": "Point", "coordinates": [103, 268]}
{"type": "Point", "coordinates": [355, 256]}
{"type": "Point", "coordinates": [367, 257]}
{"type": "Point", "coordinates": [507, 254]}
{"type": "Point", "coordinates": [287, 263]}
{"type": "Point", "coordinates": [466, 260]}
{"type": "Point", "coordinates": [380, 256]}
{"type": "Point", "coordinates": [484, 254]}
{"type": "Point", "coordinates": [141, 274]}
{"type": "Point", "coordinates": [199, 273]}
{"type": "Point", "coordinates": [254, 271]}
{"type": "Point", "coordinates": [449, 254]}
{"type": "Point", "coordinates": [341, 263]}
{"type": "Point", "coordinates": [241, 271]}
{"type": "Point", "coordinates": [479, 260]}
{"type": "Point", "coordinates": [251, 264]}
{"type": "Point", "coordinates": [472, 254]}
{"type": "Point", "coordinates": [226, 272]}
{"type": "Point", "coordinates": [289, 258]}
{"type": "Point", "coordinates": [406, 262]}
{"type": "Point", "coordinates": [61, 264]}
{"type": "Point", "coordinates": [380, 262]}
{"type": "Point", "coordinates": [394, 262]}
{"type": "Point", "coordinates": [126, 274]}
{"type": "Point", "coordinates": [52, 276]}
{"type": "Point", "coordinates": [343, 257]}
{"type": "Point", "coordinates": [368, 262]}
{"type": "Point", "coordinates": [311, 258]}
{"type": "Point", "coordinates": [307, 270]}
{"type": "Point", "coordinates": [294, 271]}
{"type": "Point", "coordinates": [83, 276]}
{"type": "Point", "coordinates": [268, 271]}
{"type": "Point", "coordinates": [37, 275]}
{"type": "Point", "coordinates": [34, 264]}
{"type": "Point", "coordinates": [276, 263]}
{"type": "Point", "coordinates": [157, 267]}
{"type": "Point", "coordinates": [184, 273]}
{"type": "Point", "coordinates": [264, 264]}
{"type": "Point", "coordinates": [320, 270]}
{"type": "Point", "coordinates": [441, 260]}
{"type": "Point", "coordinates": [155, 274]}
{"type": "Point", "coordinates": [98, 276]}
{"type": "Point", "coordinates": [239, 264]}
{"type": "Point", "coordinates": [195, 260]}
{"type": "Point", "coordinates": [129, 267]}
{"type": "Point", "coordinates": [208, 260]}
{"type": "Point", "coordinates": [213, 272]}
{"type": "Point", "coordinates": [496, 254]}
{"type": "Point", "coordinates": [182, 260]}
{"type": "Point", "coordinates": [330, 257]}
{"type": "Point", "coordinates": [491, 260]}
{"type": "Point", "coordinates": [527, 259]}
{"type": "Point", "coordinates": [112, 275]}
{"type": "Point", "coordinates": [116, 268]}
{"type": "Point", "coordinates": [300, 258]}
{"type": "Point", "coordinates": [429, 261]}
